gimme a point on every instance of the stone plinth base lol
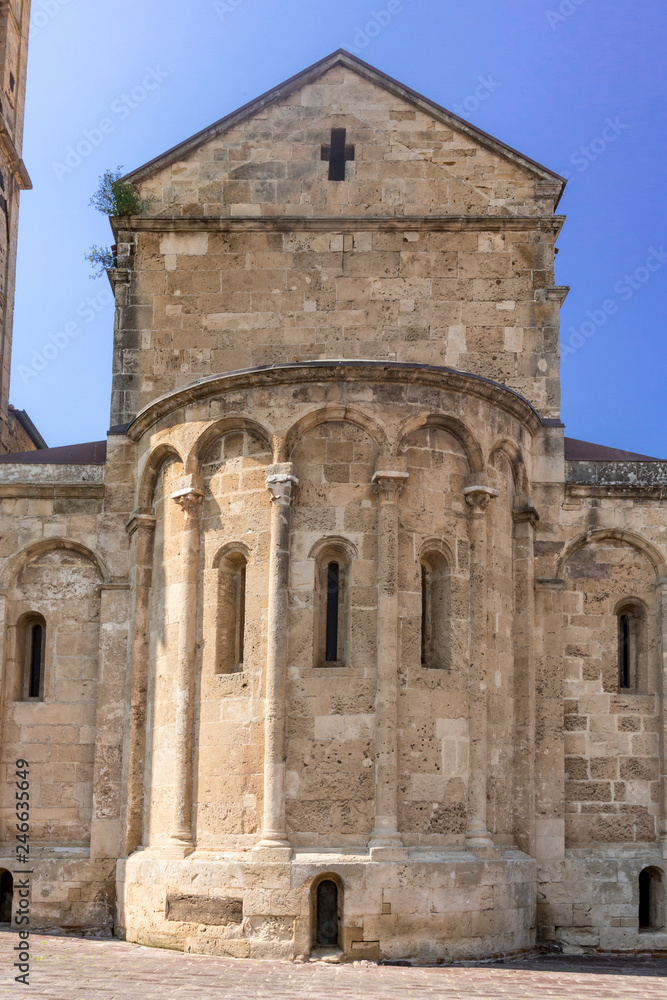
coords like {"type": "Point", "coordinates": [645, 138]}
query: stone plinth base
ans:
{"type": "Point", "coordinates": [592, 903]}
{"type": "Point", "coordinates": [70, 892]}
{"type": "Point", "coordinates": [433, 904]}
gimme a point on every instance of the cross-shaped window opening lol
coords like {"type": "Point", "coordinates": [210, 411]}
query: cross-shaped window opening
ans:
{"type": "Point", "coordinates": [337, 154]}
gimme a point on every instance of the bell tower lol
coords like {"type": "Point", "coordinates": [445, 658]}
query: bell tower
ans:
{"type": "Point", "coordinates": [14, 27]}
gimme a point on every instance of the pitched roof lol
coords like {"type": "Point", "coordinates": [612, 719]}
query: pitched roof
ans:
{"type": "Point", "coordinates": [584, 451]}
{"type": "Point", "coordinates": [92, 453]}
{"type": "Point", "coordinates": [376, 76]}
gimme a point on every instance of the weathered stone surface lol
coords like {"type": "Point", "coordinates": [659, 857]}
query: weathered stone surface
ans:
{"type": "Point", "coordinates": [348, 388]}
{"type": "Point", "coordinates": [212, 910]}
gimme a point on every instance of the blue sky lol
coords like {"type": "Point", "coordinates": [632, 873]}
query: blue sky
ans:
{"type": "Point", "coordinates": [577, 84]}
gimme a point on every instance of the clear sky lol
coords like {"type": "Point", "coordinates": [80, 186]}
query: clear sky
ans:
{"type": "Point", "coordinates": [578, 85]}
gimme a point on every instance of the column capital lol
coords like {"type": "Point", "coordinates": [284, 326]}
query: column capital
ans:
{"type": "Point", "coordinates": [141, 519]}
{"type": "Point", "coordinates": [390, 483]}
{"type": "Point", "coordinates": [279, 485]}
{"type": "Point", "coordinates": [478, 497]}
{"type": "Point", "coordinates": [188, 494]}
{"type": "Point", "coordinates": [188, 500]}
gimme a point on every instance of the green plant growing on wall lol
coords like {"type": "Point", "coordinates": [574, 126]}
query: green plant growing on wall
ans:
{"type": "Point", "coordinates": [101, 259]}
{"type": "Point", "coordinates": [115, 197]}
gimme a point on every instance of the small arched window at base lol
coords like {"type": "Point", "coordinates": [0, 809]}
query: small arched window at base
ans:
{"type": "Point", "coordinates": [232, 572]}
{"type": "Point", "coordinates": [435, 611]}
{"type": "Point", "coordinates": [631, 627]}
{"type": "Point", "coordinates": [6, 896]}
{"type": "Point", "coordinates": [32, 639]}
{"type": "Point", "coordinates": [327, 908]}
{"type": "Point", "coordinates": [651, 900]}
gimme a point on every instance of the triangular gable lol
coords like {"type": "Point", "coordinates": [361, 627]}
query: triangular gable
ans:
{"type": "Point", "coordinates": [368, 72]}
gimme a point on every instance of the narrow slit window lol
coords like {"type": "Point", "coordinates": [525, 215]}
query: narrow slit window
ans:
{"type": "Point", "coordinates": [240, 614]}
{"type": "Point", "coordinates": [35, 677]}
{"type": "Point", "coordinates": [333, 601]}
{"type": "Point", "coordinates": [424, 640]}
{"type": "Point", "coordinates": [624, 651]}
{"type": "Point", "coordinates": [435, 612]}
{"type": "Point", "coordinates": [231, 613]}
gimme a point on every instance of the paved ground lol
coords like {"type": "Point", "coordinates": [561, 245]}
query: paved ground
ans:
{"type": "Point", "coordinates": [66, 968]}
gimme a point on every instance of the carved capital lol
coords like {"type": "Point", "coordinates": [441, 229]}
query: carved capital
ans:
{"type": "Point", "coordinates": [478, 497]}
{"type": "Point", "coordinates": [280, 487]}
{"type": "Point", "coordinates": [389, 484]}
{"type": "Point", "coordinates": [189, 500]}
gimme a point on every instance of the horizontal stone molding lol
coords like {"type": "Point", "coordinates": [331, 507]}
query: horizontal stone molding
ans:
{"type": "Point", "coordinates": [57, 491]}
{"type": "Point", "coordinates": [339, 224]}
{"type": "Point", "coordinates": [338, 371]}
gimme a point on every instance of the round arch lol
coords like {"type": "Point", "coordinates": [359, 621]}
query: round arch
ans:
{"type": "Point", "coordinates": [617, 534]}
{"type": "Point", "coordinates": [513, 454]}
{"type": "Point", "coordinates": [225, 426]}
{"type": "Point", "coordinates": [437, 545]}
{"type": "Point", "coordinates": [232, 548]}
{"type": "Point", "coordinates": [329, 414]}
{"type": "Point", "coordinates": [333, 542]}
{"type": "Point", "coordinates": [453, 426]}
{"type": "Point", "coordinates": [150, 472]}
{"type": "Point", "coordinates": [26, 555]}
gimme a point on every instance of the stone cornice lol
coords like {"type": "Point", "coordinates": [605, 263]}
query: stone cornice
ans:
{"type": "Point", "coordinates": [338, 371]}
{"type": "Point", "coordinates": [337, 223]}
{"type": "Point", "coordinates": [615, 491]}
{"type": "Point", "coordinates": [55, 491]}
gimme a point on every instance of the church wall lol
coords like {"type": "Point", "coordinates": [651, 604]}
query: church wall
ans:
{"type": "Point", "coordinates": [229, 733]}
{"type": "Point", "coordinates": [433, 701]}
{"type": "Point", "coordinates": [500, 653]}
{"type": "Point", "coordinates": [406, 162]}
{"type": "Point", "coordinates": [165, 599]}
{"type": "Point", "coordinates": [331, 726]}
{"type": "Point", "coordinates": [611, 735]}
{"type": "Point", "coordinates": [207, 302]}
{"type": "Point", "coordinates": [606, 743]}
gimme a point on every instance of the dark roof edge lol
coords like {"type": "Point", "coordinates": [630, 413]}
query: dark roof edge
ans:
{"type": "Point", "coordinates": [28, 426]}
{"type": "Point", "coordinates": [339, 55]}
{"type": "Point", "coordinates": [88, 453]}
{"type": "Point", "coordinates": [586, 451]}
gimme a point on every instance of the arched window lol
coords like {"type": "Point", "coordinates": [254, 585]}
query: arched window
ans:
{"type": "Point", "coordinates": [327, 914]}
{"type": "Point", "coordinates": [332, 605]}
{"type": "Point", "coordinates": [435, 611]}
{"type": "Point", "coordinates": [33, 645]}
{"type": "Point", "coordinates": [631, 625]}
{"type": "Point", "coordinates": [332, 612]}
{"type": "Point", "coordinates": [650, 899]}
{"type": "Point", "coordinates": [6, 896]}
{"type": "Point", "coordinates": [232, 572]}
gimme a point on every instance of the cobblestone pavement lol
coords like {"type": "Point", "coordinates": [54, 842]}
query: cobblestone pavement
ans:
{"type": "Point", "coordinates": [68, 968]}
